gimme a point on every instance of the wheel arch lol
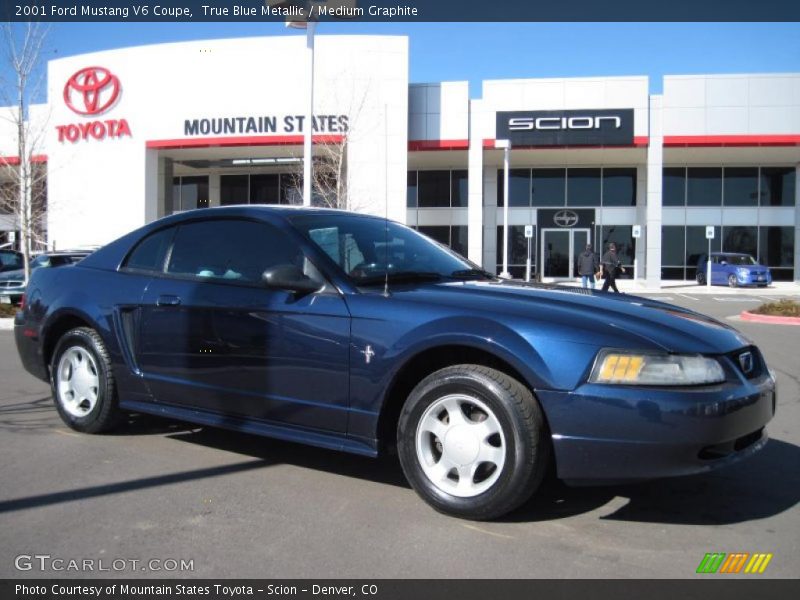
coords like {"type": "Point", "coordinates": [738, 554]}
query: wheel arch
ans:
{"type": "Point", "coordinates": [429, 360]}
{"type": "Point", "coordinates": [59, 324]}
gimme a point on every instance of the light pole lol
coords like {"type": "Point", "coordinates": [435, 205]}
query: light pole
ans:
{"type": "Point", "coordinates": [506, 146]}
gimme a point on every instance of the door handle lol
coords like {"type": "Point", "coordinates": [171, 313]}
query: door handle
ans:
{"type": "Point", "coordinates": [168, 301]}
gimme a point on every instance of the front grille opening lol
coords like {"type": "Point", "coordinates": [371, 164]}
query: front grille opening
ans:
{"type": "Point", "coordinates": [756, 362]}
{"type": "Point", "coordinates": [724, 449]}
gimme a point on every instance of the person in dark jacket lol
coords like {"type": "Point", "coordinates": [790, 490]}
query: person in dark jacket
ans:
{"type": "Point", "coordinates": [587, 265]}
{"type": "Point", "coordinates": [611, 265]}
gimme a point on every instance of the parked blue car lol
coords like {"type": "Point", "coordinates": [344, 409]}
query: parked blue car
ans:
{"type": "Point", "coordinates": [733, 269]}
{"type": "Point", "coordinates": [354, 333]}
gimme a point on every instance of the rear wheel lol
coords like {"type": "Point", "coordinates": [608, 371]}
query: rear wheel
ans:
{"type": "Point", "coordinates": [472, 442]}
{"type": "Point", "coordinates": [82, 382]}
{"type": "Point", "coordinates": [732, 280]}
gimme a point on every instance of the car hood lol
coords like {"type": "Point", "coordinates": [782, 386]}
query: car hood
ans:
{"type": "Point", "coordinates": [583, 316]}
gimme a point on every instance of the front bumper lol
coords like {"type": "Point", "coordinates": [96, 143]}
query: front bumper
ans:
{"type": "Point", "coordinates": [605, 433]}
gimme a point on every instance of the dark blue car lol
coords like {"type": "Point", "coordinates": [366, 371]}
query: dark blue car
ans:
{"type": "Point", "coordinates": [353, 333]}
{"type": "Point", "coordinates": [733, 269]}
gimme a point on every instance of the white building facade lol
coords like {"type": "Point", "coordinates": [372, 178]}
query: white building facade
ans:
{"type": "Point", "coordinates": [134, 134]}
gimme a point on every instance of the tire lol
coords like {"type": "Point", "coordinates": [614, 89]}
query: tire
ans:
{"type": "Point", "coordinates": [732, 281]}
{"type": "Point", "coordinates": [82, 382]}
{"type": "Point", "coordinates": [497, 451]}
{"type": "Point", "coordinates": [701, 278]}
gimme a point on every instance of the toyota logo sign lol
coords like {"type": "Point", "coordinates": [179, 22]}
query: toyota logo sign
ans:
{"type": "Point", "coordinates": [565, 218]}
{"type": "Point", "coordinates": [91, 91]}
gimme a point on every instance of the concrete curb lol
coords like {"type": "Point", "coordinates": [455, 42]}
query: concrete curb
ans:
{"type": "Point", "coordinates": [7, 324]}
{"type": "Point", "coordinates": [755, 318]}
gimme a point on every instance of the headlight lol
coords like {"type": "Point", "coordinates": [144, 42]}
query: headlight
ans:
{"type": "Point", "coordinates": [743, 273]}
{"type": "Point", "coordinates": [630, 368]}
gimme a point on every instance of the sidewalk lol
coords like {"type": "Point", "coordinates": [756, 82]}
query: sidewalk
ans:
{"type": "Point", "coordinates": [629, 286]}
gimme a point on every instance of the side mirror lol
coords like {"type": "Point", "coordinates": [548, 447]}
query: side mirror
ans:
{"type": "Point", "coordinates": [289, 278]}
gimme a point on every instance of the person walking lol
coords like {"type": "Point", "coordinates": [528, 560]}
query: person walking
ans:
{"type": "Point", "coordinates": [611, 264]}
{"type": "Point", "coordinates": [587, 265]}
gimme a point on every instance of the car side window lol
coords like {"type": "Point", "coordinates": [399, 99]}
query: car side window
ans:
{"type": "Point", "coordinates": [149, 254]}
{"type": "Point", "coordinates": [235, 251]}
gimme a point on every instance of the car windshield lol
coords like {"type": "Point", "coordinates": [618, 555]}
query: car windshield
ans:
{"type": "Point", "coordinates": [741, 259]}
{"type": "Point", "coordinates": [368, 250]}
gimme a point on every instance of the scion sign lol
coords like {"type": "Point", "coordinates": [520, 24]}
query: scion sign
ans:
{"type": "Point", "coordinates": [606, 127]}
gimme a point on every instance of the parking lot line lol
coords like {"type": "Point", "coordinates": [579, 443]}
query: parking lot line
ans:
{"type": "Point", "coordinates": [738, 299]}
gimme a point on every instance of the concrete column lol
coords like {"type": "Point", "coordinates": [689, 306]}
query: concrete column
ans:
{"type": "Point", "coordinates": [797, 223]}
{"type": "Point", "coordinates": [655, 161]}
{"type": "Point", "coordinates": [641, 218]}
{"type": "Point", "coordinates": [475, 187]}
{"type": "Point", "coordinates": [490, 258]}
{"type": "Point", "coordinates": [158, 185]}
{"type": "Point", "coordinates": [213, 190]}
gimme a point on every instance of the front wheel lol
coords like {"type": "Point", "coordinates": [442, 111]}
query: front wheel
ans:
{"type": "Point", "coordinates": [472, 442]}
{"type": "Point", "coordinates": [701, 278]}
{"type": "Point", "coordinates": [732, 280]}
{"type": "Point", "coordinates": [82, 382]}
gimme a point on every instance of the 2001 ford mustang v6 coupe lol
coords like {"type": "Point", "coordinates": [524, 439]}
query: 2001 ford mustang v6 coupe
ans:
{"type": "Point", "coordinates": [355, 333]}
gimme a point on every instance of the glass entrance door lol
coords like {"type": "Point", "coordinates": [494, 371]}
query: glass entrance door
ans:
{"type": "Point", "coordinates": [560, 248]}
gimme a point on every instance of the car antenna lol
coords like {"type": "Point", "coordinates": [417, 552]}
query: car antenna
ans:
{"type": "Point", "coordinates": [385, 204]}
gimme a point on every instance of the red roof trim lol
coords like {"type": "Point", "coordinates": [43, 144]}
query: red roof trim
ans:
{"type": "Point", "coordinates": [429, 145]}
{"type": "Point", "coordinates": [731, 140]}
{"type": "Point", "coordinates": [256, 140]}
{"type": "Point", "coordinates": [14, 160]}
{"type": "Point", "coordinates": [640, 141]}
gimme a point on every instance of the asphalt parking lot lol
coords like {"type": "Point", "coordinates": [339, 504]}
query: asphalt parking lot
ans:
{"type": "Point", "coordinates": [242, 506]}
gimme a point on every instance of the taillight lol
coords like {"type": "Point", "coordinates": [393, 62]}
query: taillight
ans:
{"type": "Point", "coordinates": [22, 302]}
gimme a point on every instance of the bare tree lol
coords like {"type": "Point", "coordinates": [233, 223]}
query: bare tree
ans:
{"type": "Point", "coordinates": [23, 190]}
{"type": "Point", "coordinates": [330, 181]}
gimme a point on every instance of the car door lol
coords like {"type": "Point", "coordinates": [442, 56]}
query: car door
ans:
{"type": "Point", "coordinates": [214, 338]}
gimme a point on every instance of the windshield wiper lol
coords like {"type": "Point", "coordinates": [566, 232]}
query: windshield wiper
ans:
{"type": "Point", "coordinates": [401, 276]}
{"type": "Point", "coordinates": [469, 273]}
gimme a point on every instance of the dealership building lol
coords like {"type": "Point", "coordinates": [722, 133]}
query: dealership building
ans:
{"type": "Point", "coordinates": [134, 134]}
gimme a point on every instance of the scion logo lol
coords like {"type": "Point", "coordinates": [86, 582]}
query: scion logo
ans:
{"type": "Point", "coordinates": [91, 91]}
{"type": "Point", "coordinates": [565, 218]}
{"type": "Point", "coordinates": [555, 123]}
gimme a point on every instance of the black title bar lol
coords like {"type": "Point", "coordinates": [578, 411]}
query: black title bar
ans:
{"type": "Point", "coordinates": [709, 588]}
{"type": "Point", "coordinates": [167, 11]}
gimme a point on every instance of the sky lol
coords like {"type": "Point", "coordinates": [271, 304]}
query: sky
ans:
{"type": "Point", "coordinates": [477, 51]}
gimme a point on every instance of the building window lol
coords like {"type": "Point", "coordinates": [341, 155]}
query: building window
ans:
{"type": "Point", "coordinates": [549, 187]}
{"type": "Point", "coordinates": [583, 187]}
{"type": "Point", "coordinates": [673, 189]}
{"type": "Point", "coordinates": [454, 236]}
{"type": "Point", "coordinates": [622, 237]}
{"type": "Point", "coordinates": [740, 186]}
{"type": "Point", "coordinates": [778, 186]}
{"type": "Point", "coordinates": [411, 190]}
{"type": "Point", "coordinates": [265, 189]}
{"type": "Point", "coordinates": [189, 193]}
{"type": "Point", "coordinates": [458, 187]}
{"type": "Point", "coordinates": [619, 187]}
{"type": "Point", "coordinates": [459, 239]}
{"type": "Point", "coordinates": [697, 247]}
{"type": "Point", "coordinates": [740, 239]}
{"type": "Point", "coordinates": [776, 250]}
{"type": "Point", "coordinates": [517, 251]}
{"type": "Point", "coordinates": [234, 189]}
{"type": "Point", "coordinates": [673, 244]}
{"type": "Point", "coordinates": [704, 186]}
{"type": "Point", "coordinates": [519, 187]}
{"type": "Point", "coordinates": [433, 189]}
